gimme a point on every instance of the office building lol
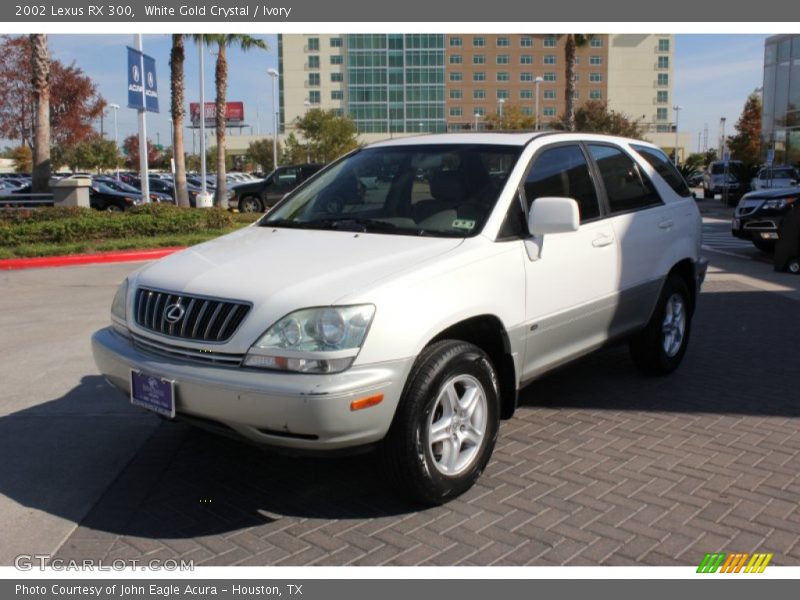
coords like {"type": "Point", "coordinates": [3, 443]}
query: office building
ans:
{"type": "Point", "coordinates": [780, 117]}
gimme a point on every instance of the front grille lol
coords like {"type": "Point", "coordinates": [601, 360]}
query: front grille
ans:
{"type": "Point", "coordinates": [202, 320]}
{"type": "Point", "coordinates": [766, 224]}
{"type": "Point", "coordinates": [191, 354]}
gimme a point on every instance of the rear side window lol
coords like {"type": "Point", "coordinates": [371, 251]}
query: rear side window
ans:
{"type": "Point", "coordinates": [626, 188]}
{"type": "Point", "coordinates": [664, 167]}
{"type": "Point", "coordinates": [562, 171]}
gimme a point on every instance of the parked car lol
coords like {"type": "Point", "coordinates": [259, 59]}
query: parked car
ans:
{"type": "Point", "coordinates": [409, 317]}
{"type": "Point", "coordinates": [775, 177]}
{"type": "Point", "coordinates": [716, 181]}
{"type": "Point", "coordinates": [120, 186]}
{"type": "Point", "coordinates": [695, 179]}
{"type": "Point", "coordinates": [102, 197]}
{"type": "Point", "coordinates": [263, 194]}
{"type": "Point", "coordinates": [758, 215]}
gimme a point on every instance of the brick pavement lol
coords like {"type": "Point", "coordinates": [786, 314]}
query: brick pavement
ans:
{"type": "Point", "coordinates": [600, 466]}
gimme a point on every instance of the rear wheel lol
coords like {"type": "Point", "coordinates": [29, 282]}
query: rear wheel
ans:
{"type": "Point", "coordinates": [659, 348]}
{"type": "Point", "coordinates": [794, 266]}
{"type": "Point", "coordinates": [446, 425]}
{"type": "Point", "coordinates": [251, 204]}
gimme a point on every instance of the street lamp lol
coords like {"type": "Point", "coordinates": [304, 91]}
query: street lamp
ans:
{"type": "Point", "coordinates": [115, 108]}
{"type": "Point", "coordinates": [203, 197]}
{"type": "Point", "coordinates": [500, 103]}
{"type": "Point", "coordinates": [477, 116]}
{"type": "Point", "coordinates": [307, 104]}
{"type": "Point", "coordinates": [273, 75]}
{"type": "Point", "coordinates": [538, 81]}
{"type": "Point", "coordinates": [677, 110]}
{"type": "Point", "coordinates": [722, 138]}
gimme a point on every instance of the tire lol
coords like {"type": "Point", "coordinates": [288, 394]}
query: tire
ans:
{"type": "Point", "coordinates": [251, 204]}
{"type": "Point", "coordinates": [659, 348]}
{"type": "Point", "coordinates": [111, 207]}
{"type": "Point", "coordinates": [433, 472]}
{"type": "Point", "coordinates": [794, 266]}
{"type": "Point", "coordinates": [767, 246]}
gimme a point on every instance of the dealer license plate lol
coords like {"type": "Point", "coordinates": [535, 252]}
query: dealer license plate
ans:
{"type": "Point", "coordinates": [153, 393]}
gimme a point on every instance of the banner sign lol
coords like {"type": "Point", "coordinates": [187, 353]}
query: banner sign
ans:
{"type": "Point", "coordinates": [137, 78]}
{"type": "Point", "coordinates": [234, 114]}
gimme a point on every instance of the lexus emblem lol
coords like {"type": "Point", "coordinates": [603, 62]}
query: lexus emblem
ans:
{"type": "Point", "coordinates": [174, 312]}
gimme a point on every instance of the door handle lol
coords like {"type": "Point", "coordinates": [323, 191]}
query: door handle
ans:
{"type": "Point", "coordinates": [602, 240]}
{"type": "Point", "coordinates": [667, 224]}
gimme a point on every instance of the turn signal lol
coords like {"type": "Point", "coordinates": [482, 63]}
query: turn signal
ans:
{"type": "Point", "coordinates": [366, 402]}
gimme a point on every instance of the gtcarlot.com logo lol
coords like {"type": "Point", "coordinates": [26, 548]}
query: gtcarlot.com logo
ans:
{"type": "Point", "coordinates": [737, 562]}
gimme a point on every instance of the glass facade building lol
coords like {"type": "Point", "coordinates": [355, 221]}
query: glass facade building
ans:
{"type": "Point", "coordinates": [780, 117]}
{"type": "Point", "coordinates": [395, 82]}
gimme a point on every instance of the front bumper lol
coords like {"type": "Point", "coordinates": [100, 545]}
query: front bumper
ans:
{"type": "Point", "coordinates": [753, 228]}
{"type": "Point", "coordinates": [286, 410]}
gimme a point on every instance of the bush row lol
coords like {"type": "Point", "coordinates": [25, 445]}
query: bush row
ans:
{"type": "Point", "coordinates": [60, 225]}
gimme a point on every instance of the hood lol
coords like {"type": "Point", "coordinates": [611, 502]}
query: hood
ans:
{"type": "Point", "coordinates": [280, 270]}
{"type": "Point", "coordinates": [773, 193]}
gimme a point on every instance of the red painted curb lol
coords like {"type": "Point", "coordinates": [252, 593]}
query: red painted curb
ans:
{"type": "Point", "coordinates": [85, 259]}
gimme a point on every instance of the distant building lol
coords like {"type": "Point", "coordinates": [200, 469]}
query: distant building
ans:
{"type": "Point", "coordinates": [780, 117]}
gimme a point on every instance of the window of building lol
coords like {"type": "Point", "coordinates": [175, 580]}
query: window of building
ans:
{"type": "Point", "coordinates": [596, 42]}
{"type": "Point", "coordinates": [480, 111]}
{"type": "Point", "coordinates": [502, 94]}
{"type": "Point", "coordinates": [549, 94]}
{"type": "Point", "coordinates": [455, 41]}
{"type": "Point", "coordinates": [526, 76]}
{"type": "Point", "coordinates": [526, 59]}
{"type": "Point", "coordinates": [478, 94]}
{"type": "Point", "coordinates": [456, 111]}
{"type": "Point", "coordinates": [664, 167]}
{"type": "Point", "coordinates": [456, 59]}
{"type": "Point", "coordinates": [550, 76]}
{"type": "Point", "coordinates": [663, 62]}
{"type": "Point", "coordinates": [479, 76]}
{"type": "Point", "coordinates": [502, 42]}
{"type": "Point", "coordinates": [663, 79]}
{"type": "Point", "coordinates": [337, 59]}
{"type": "Point", "coordinates": [526, 42]}
{"type": "Point", "coordinates": [662, 96]}
{"type": "Point", "coordinates": [550, 42]}
{"type": "Point", "coordinates": [313, 62]}
{"type": "Point", "coordinates": [576, 77]}
{"type": "Point", "coordinates": [456, 94]}
{"type": "Point", "coordinates": [313, 44]}
{"type": "Point", "coordinates": [549, 111]}
{"type": "Point", "coordinates": [502, 59]}
{"type": "Point", "coordinates": [314, 97]}
{"type": "Point", "coordinates": [662, 114]}
{"type": "Point", "coordinates": [595, 77]}
{"type": "Point", "coordinates": [337, 77]}
{"type": "Point", "coordinates": [503, 76]}
{"type": "Point", "coordinates": [527, 110]}
{"type": "Point", "coordinates": [663, 45]}
{"type": "Point", "coordinates": [626, 188]}
{"type": "Point", "coordinates": [563, 172]}
{"type": "Point", "coordinates": [456, 76]}
{"type": "Point", "coordinates": [478, 42]}
{"type": "Point", "coordinates": [313, 79]}
{"type": "Point", "coordinates": [478, 59]}
{"type": "Point", "coordinates": [549, 59]}
{"type": "Point", "coordinates": [595, 60]}
{"type": "Point", "coordinates": [595, 95]}
{"type": "Point", "coordinates": [336, 42]}
{"type": "Point", "coordinates": [525, 94]}
{"type": "Point", "coordinates": [337, 95]}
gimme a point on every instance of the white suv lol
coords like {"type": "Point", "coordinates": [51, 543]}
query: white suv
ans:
{"type": "Point", "coordinates": [408, 314]}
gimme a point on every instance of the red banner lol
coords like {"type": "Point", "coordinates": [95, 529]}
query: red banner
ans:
{"type": "Point", "coordinates": [234, 113]}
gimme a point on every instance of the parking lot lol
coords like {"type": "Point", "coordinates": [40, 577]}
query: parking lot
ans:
{"type": "Point", "coordinates": [600, 466]}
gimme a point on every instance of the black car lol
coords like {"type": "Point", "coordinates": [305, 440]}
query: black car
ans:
{"type": "Point", "coordinates": [758, 215]}
{"type": "Point", "coordinates": [102, 197]}
{"type": "Point", "coordinates": [263, 194]}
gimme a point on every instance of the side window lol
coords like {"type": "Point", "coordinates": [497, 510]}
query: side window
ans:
{"type": "Point", "coordinates": [563, 171]}
{"type": "Point", "coordinates": [664, 167]}
{"type": "Point", "coordinates": [626, 188]}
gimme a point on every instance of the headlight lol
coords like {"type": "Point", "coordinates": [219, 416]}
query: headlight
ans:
{"type": "Point", "coordinates": [119, 312]}
{"type": "Point", "coordinates": [230, 194]}
{"type": "Point", "coordinates": [313, 340]}
{"type": "Point", "coordinates": [774, 204]}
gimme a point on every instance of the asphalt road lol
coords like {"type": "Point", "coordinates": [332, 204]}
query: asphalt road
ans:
{"type": "Point", "coordinates": [600, 465]}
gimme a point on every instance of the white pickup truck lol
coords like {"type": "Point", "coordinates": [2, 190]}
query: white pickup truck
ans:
{"type": "Point", "coordinates": [408, 314]}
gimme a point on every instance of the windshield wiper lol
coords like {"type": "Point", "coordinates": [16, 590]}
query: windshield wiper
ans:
{"type": "Point", "coordinates": [338, 223]}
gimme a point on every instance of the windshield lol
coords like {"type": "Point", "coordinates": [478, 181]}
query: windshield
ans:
{"type": "Point", "coordinates": [777, 173]}
{"type": "Point", "coordinates": [437, 189]}
{"type": "Point", "coordinates": [120, 186]}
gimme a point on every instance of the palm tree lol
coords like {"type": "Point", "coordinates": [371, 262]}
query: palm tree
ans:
{"type": "Point", "coordinates": [223, 41]}
{"type": "Point", "coordinates": [176, 60]}
{"type": "Point", "coordinates": [573, 42]}
{"type": "Point", "coordinates": [40, 67]}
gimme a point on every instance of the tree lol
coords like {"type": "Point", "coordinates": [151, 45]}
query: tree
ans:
{"type": "Point", "coordinates": [23, 159]}
{"type": "Point", "coordinates": [293, 151]}
{"type": "Point", "coordinates": [746, 144]}
{"type": "Point", "coordinates": [222, 42]}
{"type": "Point", "coordinates": [260, 153]}
{"type": "Point", "coordinates": [512, 119]}
{"type": "Point", "coordinates": [573, 42]}
{"type": "Point", "coordinates": [177, 57]}
{"type": "Point", "coordinates": [40, 82]}
{"type": "Point", "coordinates": [595, 117]}
{"type": "Point", "coordinates": [326, 134]}
{"type": "Point", "coordinates": [213, 157]}
{"type": "Point", "coordinates": [75, 104]}
{"type": "Point", "coordinates": [95, 153]}
{"type": "Point", "coordinates": [130, 146]}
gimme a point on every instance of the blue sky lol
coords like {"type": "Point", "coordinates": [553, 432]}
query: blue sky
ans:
{"type": "Point", "coordinates": [714, 73]}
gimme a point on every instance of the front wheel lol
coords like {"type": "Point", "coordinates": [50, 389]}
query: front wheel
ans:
{"type": "Point", "coordinates": [659, 348]}
{"type": "Point", "coordinates": [446, 424]}
{"type": "Point", "coordinates": [250, 204]}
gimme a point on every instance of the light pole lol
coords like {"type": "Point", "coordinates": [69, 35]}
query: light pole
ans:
{"type": "Point", "coordinates": [677, 110]}
{"type": "Point", "coordinates": [538, 81]}
{"type": "Point", "coordinates": [273, 75]}
{"type": "Point", "coordinates": [115, 108]}
{"type": "Point", "coordinates": [722, 138]}
{"type": "Point", "coordinates": [477, 116]}
{"type": "Point", "coordinates": [307, 104]}
{"type": "Point", "coordinates": [203, 182]}
{"type": "Point", "coordinates": [500, 103]}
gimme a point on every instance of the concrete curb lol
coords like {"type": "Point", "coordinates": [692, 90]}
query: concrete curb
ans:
{"type": "Point", "coordinates": [85, 259]}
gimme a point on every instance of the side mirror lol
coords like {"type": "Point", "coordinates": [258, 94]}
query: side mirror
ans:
{"type": "Point", "coordinates": [553, 215]}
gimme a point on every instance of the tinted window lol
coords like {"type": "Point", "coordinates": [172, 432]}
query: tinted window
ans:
{"type": "Point", "coordinates": [626, 188]}
{"type": "Point", "coordinates": [563, 172]}
{"type": "Point", "coordinates": [659, 161]}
